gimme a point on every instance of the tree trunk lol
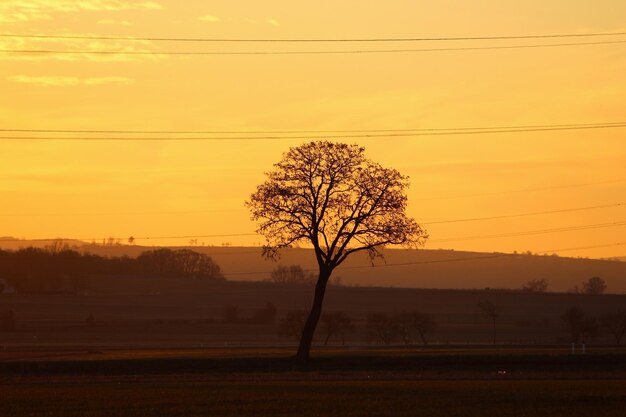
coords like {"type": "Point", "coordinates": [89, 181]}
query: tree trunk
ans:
{"type": "Point", "coordinates": [422, 337]}
{"type": "Point", "coordinates": [314, 316]}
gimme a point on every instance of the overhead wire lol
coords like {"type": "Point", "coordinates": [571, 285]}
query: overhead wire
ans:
{"type": "Point", "coordinates": [144, 213]}
{"type": "Point", "coordinates": [311, 137]}
{"type": "Point", "coordinates": [448, 260]}
{"type": "Point", "coordinates": [316, 40]}
{"type": "Point", "coordinates": [130, 131]}
{"type": "Point", "coordinates": [532, 232]}
{"type": "Point", "coordinates": [301, 52]}
{"type": "Point", "coordinates": [527, 214]}
{"type": "Point", "coordinates": [471, 219]}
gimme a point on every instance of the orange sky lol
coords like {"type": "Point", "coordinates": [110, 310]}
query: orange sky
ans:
{"type": "Point", "coordinates": [81, 189]}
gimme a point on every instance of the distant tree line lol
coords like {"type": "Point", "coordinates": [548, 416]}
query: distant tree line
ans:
{"type": "Point", "coordinates": [406, 327]}
{"type": "Point", "coordinates": [61, 269]}
{"type": "Point", "coordinates": [591, 286]}
{"type": "Point", "coordinates": [581, 326]}
{"type": "Point", "coordinates": [415, 327]}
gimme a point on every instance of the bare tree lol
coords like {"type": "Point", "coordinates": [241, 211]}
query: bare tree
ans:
{"type": "Point", "coordinates": [293, 274]}
{"type": "Point", "coordinates": [579, 325]}
{"type": "Point", "coordinates": [492, 311]}
{"type": "Point", "coordinates": [423, 323]}
{"type": "Point", "coordinates": [536, 285]}
{"type": "Point", "coordinates": [331, 196]}
{"type": "Point", "coordinates": [615, 324]}
{"type": "Point", "coordinates": [338, 323]}
{"type": "Point", "coordinates": [382, 328]}
{"type": "Point", "coordinates": [594, 285]}
{"type": "Point", "coordinates": [292, 324]}
{"type": "Point", "coordinates": [403, 324]}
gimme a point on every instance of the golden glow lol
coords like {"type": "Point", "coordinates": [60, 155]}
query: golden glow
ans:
{"type": "Point", "coordinates": [80, 189]}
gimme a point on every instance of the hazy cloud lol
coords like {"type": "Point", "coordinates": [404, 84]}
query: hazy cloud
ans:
{"type": "Point", "coordinates": [61, 81]}
{"type": "Point", "coordinates": [113, 22]}
{"type": "Point", "coordinates": [15, 11]}
{"type": "Point", "coordinates": [273, 22]}
{"type": "Point", "coordinates": [209, 18]}
{"type": "Point", "coordinates": [85, 46]}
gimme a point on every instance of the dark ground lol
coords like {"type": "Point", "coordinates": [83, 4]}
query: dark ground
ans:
{"type": "Point", "coordinates": [460, 381]}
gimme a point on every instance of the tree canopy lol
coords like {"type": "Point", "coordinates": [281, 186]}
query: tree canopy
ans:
{"type": "Point", "coordinates": [331, 195]}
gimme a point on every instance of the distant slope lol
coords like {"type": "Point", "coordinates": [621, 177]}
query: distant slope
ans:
{"type": "Point", "coordinates": [416, 268]}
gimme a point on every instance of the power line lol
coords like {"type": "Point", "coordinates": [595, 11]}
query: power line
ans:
{"type": "Point", "coordinates": [316, 40]}
{"type": "Point", "coordinates": [144, 213]}
{"type": "Point", "coordinates": [534, 232]}
{"type": "Point", "coordinates": [500, 255]}
{"type": "Point", "coordinates": [308, 131]}
{"type": "Point", "coordinates": [536, 213]}
{"type": "Point", "coordinates": [449, 260]}
{"type": "Point", "coordinates": [300, 52]}
{"type": "Point", "coordinates": [524, 190]}
{"type": "Point", "coordinates": [310, 137]}
{"type": "Point", "coordinates": [256, 234]}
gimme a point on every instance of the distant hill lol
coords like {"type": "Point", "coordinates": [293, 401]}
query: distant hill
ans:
{"type": "Point", "coordinates": [443, 269]}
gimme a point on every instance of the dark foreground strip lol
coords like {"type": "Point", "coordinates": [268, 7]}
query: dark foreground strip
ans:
{"type": "Point", "coordinates": [565, 364]}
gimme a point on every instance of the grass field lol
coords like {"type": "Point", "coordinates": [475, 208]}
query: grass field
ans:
{"type": "Point", "coordinates": [175, 396]}
{"type": "Point", "coordinates": [263, 382]}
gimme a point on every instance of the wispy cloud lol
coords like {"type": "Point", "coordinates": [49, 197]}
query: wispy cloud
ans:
{"type": "Point", "coordinates": [88, 49]}
{"type": "Point", "coordinates": [16, 11]}
{"type": "Point", "coordinates": [273, 22]}
{"type": "Point", "coordinates": [209, 18]}
{"type": "Point", "coordinates": [113, 22]}
{"type": "Point", "coordinates": [63, 81]}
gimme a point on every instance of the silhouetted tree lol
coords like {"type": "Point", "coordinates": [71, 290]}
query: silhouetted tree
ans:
{"type": "Point", "coordinates": [338, 323]}
{"type": "Point", "coordinates": [292, 324]}
{"type": "Point", "coordinates": [382, 328]}
{"type": "Point", "coordinates": [183, 263]}
{"type": "Point", "coordinates": [422, 323]}
{"type": "Point", "coordinates": [615, 324]}
{"type": "Point", "coordinates": [57, 246]}
{"type": "Point", "coordinates": [331, 196]}
{"type": "Point", "coordinates": [594, 285]}
{"type": "Point", "coordinates": [60, 269]}
{"type": "Point", "coordinates": [536, 285]}
{"type": "Point", "coordinates": [293, 274]}
{"type": "Point", "coordinates": [492, 311]}
{"type": "Point", "coordinates": [404, 328]}
{"type": "Point", "coordinates": [578, 325]}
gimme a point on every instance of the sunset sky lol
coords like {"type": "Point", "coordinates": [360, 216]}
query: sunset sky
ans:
{"type": "Point", "coordinates": [95, 189]}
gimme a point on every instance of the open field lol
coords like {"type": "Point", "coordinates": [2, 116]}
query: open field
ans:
{"type": "Point", "coordinates": [159, 347]}
{"type": "Point", "coordinates": [253, 382]}
{"type": "Point", "coordinates": [183, 313]}
{"type": "Point", "coordinates": [177, 397]}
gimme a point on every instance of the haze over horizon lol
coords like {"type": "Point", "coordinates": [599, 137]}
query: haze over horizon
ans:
{"type": "Point", "coordinates": [567, 186]}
